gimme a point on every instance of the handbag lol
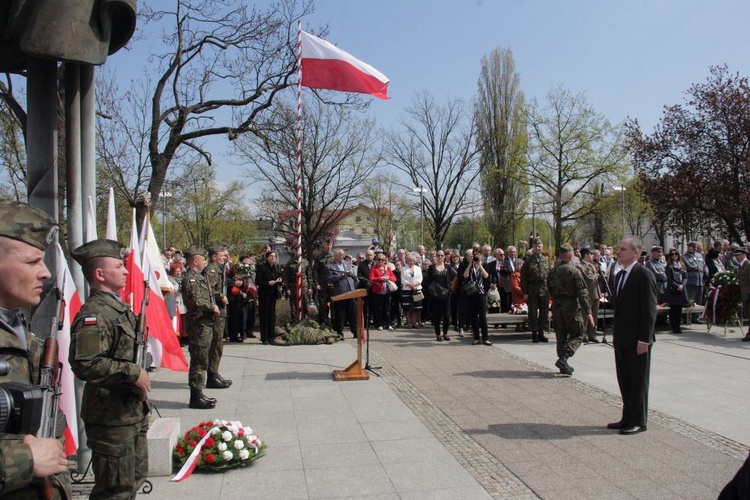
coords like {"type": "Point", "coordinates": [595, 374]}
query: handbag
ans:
{"type": "Point", "coordinates": [392, 286]}
{"type": "Point", "coordinates": [470, 288]}
{"type": "Point", "coordinates": [438, 291]}
{"type": "Point", "coordinates": [454, 285]}
{"type": "Point", "coordinates": [418, 296]}
{"type": "Point", "coordinates": [493, 296]}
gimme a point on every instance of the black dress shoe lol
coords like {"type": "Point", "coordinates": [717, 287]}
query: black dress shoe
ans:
{"type": "Point", "coordinates": [618, 425]}
{"type": "Point", "coordinates": [746, 338]}
{"type": "Point", "coordinates": [633, 429]}
{"type": "Point", "coordinates": [594, 341]}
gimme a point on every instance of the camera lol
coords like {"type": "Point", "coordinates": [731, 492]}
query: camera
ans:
{"type": "Point", "coordinates": [20, 405]}
{"type": "Point", "coordinates": [476, 258]}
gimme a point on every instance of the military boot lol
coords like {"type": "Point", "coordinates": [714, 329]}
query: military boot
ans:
{"type": "Point", "coordinates": [564, 367]}
{"type": "Point", "coordinates": [215, 381]}
{"type": "Point", "coordinates": [542, 338]}
{"type": "Point", "coordinates": [199, 401]}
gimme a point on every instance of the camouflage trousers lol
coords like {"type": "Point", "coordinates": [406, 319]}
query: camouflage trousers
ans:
{"type": "Point", "coordinates": [119, 458]}
{"type": "Point", "coordinates": [200, 336]}
{"type": "Point", "coordinates": [569, 329]}
{"type": "Point", "coordinates": [538, 312]}
{"type": "Point", "coordinates": [217, 342]}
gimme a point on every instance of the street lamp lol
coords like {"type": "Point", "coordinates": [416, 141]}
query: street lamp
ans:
{"type": "Point", "coordinates": [421, 191]}
{"type": "Point", "coordinates": [622, 190]}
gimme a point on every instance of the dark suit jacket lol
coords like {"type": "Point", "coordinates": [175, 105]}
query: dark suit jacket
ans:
{"type": "Point", "coordinates": [501, 279]}
{"type": "Point", "coordinates": [635, 308]}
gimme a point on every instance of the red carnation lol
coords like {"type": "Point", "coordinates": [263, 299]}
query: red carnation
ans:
{"type": "Point", "coordinates": [210, 458]}
{"type": "Point", "coordinates": [202, 432]}
{"type": "Point", "coordinates": [241, 432]}
{"type": "Point", "coordinates": [210, 442]}
{"type": "Point", "coordinates": [180, 450]}
{"type": "Point", "coordinates": [193, 443]}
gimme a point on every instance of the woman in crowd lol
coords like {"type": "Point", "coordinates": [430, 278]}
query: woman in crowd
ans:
{"type": "Point", "coordinates": [411, 281]}
{"type": "Point", "coordinates": [455, 260]}
{"type": "Point", "coordinates": [676, 294]}
{"type": "Point", "coordinates": [398, 264]}
{"type": "Point", "coordinates": [440, 276]}
{"type": "Point", "coordinates": [175, 279]}
{"type": "Point", "coordinates": [251, 304]}
{"type": "Point", "coordinates": [268, 280]}
{"type": "Point", "coordinates": [426, 308]}
{"type": "Point", "coordinates": [714, 263]}
{"type": "Point", "coordinates": [477, 278]}
{"type": "Point", "coordinates": [381, 275]}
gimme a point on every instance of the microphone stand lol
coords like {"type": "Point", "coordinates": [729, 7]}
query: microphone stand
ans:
{"type": "Point", "coordinates": [368, 367]}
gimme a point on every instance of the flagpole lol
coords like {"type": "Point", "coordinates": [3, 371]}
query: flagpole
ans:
{"type": "Point", "coordinates": [300, 284]}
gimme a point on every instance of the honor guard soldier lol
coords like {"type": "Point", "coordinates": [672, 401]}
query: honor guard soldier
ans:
{"type": "Point", "coordinates": [534, 285]}
{"type": "Point", "coordinates": [215, 274]}
{"type": "Point", "coordinates": [103, 354]}
{"type": "Point", "coordinates": [323, 287]}
{"type": "Point", "coordinates": [31, 467]}
{"type": "Point", "coordinates": [201, 314]}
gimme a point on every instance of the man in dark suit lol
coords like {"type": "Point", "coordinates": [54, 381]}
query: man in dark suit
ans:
{"type": "Point", "coordinates": [635, 293]}
{"type": "Point", "coordinates": [341, 275]}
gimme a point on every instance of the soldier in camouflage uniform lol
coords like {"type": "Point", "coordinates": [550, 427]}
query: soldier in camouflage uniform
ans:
{"type": "Point", "coordinates": [570, 304]}
{"type": "Point", "coordinates": [290, 285]}
{"type": "Point", "coordinates": [201, 314]}
{"type": "Point", "coordinates": [28, 465]}
{"type": "Point", "coordinates": [102, 353]}
{"type": "Point", "coordinates": [216, 278]}
{"type": "Point", "coordinates": [590, 272]}
{"type": "Point", "coordinates": [534, 286]}
{"type": "Point", "coordinates": [322, 286]}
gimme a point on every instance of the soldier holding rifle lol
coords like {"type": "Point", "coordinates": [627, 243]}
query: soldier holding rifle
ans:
{"type": "Point", "coordinates": [103, 353]}
{"type": "Point", "coordinates": [30, 467]}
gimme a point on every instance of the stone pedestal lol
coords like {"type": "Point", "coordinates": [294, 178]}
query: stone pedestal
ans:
{"type": "Point", "coordinates": [162, 437]}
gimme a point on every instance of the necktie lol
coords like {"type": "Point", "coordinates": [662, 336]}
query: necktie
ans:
{"type": "Point", "coordinates": [620, 280]}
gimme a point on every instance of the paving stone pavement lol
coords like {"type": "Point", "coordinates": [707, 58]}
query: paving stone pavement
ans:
{"type": "Point", "coordinates": [443, 420]}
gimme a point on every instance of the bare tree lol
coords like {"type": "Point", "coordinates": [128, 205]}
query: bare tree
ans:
{"type": "Point", "coordinates": [436, 150]}
{"type": "Point", "coordinates": [339, 153]}
{"type": "Point", "coordinates": [12, 156]}
{"type": "Point", "coordinates": [571, 146]}
{"type": "Point", "coordinates": [502, 139]}
{"type": "Point", "coordinates": [390, 206]}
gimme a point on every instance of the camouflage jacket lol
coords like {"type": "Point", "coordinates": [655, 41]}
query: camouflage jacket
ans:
{"type": "Point", "coordinates": [16, 463]}
{"type": "Point", "coordinates": [102, 353]}
{"type": "Point", "coordinates": [197, 296]}
{"type": "Point", "coordinates": [214, 275]}
{"type": "Point", "coordinates": [534, 275]}
{"type": "Point", "coordinates": [321, 269]}
{"type": "Point", "coordinates": [566, 287]}
{"type": "Point", "coordinates": [591, 277]}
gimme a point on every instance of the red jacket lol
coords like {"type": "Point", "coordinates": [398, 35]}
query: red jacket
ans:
{"type": "Point", "coordinates": [376, 276]}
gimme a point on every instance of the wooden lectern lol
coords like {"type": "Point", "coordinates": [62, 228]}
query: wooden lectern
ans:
{"type": "Point", "coordinates": [354, 371]}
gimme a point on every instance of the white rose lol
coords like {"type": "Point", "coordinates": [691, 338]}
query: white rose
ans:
{"type": "Point", "coordinates": [244, 454]}
{"type": "Point", "coordinates": [239, 444]}
{"type": "Point", "coordinates": [223, 422]}
{"type": "Point", "coordinates": [226, 436]}
{"type": "Point", "coordinates": [248, 431]}
{"type": "Point", "coordinates": [227, 455]}
{"type": "Point", "coordinates": [222, 446]}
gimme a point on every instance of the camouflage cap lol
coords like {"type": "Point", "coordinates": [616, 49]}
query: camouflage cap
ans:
{"type": "Point", "coordinates": [22, 222]}
{"type": "Point", "coordinates": [216, 249]}
{"type": "Point", "coordinates": [193, 250]}
{"type": "Point", "coordinates": [99, 248]}
{"type": "Point", "coordinates": [565, 248]}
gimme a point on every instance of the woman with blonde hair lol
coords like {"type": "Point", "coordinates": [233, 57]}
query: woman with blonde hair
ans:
{"type": "Point", "coordinates": [411, 283]}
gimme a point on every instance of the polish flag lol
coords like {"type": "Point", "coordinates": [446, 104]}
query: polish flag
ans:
{"type": "Point", "coordinates": [148, 243]}
{"type": "Point", "coordinates": [67, 401]}
{"type": "Point", "coordinates": [325, 66]}
{"type": "Point", "coordinates": [162, 341]}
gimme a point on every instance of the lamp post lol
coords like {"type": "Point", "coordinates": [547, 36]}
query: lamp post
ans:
{"type": "Point", "coordinates": [421, 190]}
{"type": "Point", "coordinates": [622, 193]}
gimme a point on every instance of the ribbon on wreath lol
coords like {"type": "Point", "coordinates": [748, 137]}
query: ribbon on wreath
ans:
{"type": "Point", "coordinates": [192, 461]}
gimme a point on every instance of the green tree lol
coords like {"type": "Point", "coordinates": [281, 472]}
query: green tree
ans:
{"type": "Point", "coordinates": [12, 157]}
{"type": "Point", "coordinates": [502, 139]}
{"type": "Point", "coordinates": [571, 148]}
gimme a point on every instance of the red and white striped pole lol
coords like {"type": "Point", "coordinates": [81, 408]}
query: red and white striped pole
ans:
{"type": "Point", "coordinates": [300, 284]}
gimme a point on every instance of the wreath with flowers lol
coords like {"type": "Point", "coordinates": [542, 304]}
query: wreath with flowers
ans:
{"type": "Point", "coordinates": [216, 446]}
{"type": "Point", "coordinates": [724, 299]}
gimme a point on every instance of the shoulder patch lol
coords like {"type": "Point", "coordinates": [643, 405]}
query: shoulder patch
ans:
{"type": "Point", "coordinates": [90, 321]}
{"type": "Point", "coordinates": [192, 280]}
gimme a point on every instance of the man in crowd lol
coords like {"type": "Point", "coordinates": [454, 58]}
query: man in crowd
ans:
{"type": "Point", "coordinates": [570, 305]}
{"type": "Point", "coordinates": [363, 274]}
{"type": "Point", "coordinates": [421, 255]}
{"type": "Point", "coordinates": [102, 354]}
{"type": "Point", "coordinates": [28, 462]}
{"type": "Point", "coordinates": [730, 260]}
{"type": "Point", "coordinates": [743, 278]}
{"type": "Point", "coordinates": [487, 257]}
{"type": "Point", "coordinates": [342, 276]}
{"type": "Point", "coordinates": [500, 271]}
{"type": "Point", "coordinates": [696, 275]}
{"type": "Point", "coordinates": [590, 272]}
{"type": "Point", "coordinates": [534, 286]}
{"type": "Point", "coordinates": [215, 275]}
{"type": "Point", "coordinates": [635, 294]}
{"type": "Point", "coordinates": [201, 315]}
{"type": "Point", "coordinates": [656, 265]}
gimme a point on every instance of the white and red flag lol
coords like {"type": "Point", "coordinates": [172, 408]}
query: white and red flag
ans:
{"type": "Point", "coordinates": [325, 66]}
{"type": "Point", "coordinates": [67, 401]}
{"type": "Point", "coordinates": [162, 340]}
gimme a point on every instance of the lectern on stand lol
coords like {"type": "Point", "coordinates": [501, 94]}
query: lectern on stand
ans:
{"type": "Point", "coordinates": [354, 371]}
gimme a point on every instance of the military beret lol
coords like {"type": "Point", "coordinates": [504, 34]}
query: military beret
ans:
{"type": "Point", "coordinates": [586, 251]}
{"type": "Point", "coordinates": [739, 251]}
{"type": "Point", "coordinates": [193, 250]}
{"type": "Point", "coordinates": [215, 249]}
{"type": "Point", "coordinates": [22, 222]}
{"type": "Point", "coordinates": [656, 248]}
{"type": "Point", "coordinates": [99, 248]}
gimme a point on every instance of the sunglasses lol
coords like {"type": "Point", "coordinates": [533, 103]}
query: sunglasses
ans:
{"type": "Point", "coordinates": [441, 255]}
{"type": "Point", "coordinates": [381, 260]}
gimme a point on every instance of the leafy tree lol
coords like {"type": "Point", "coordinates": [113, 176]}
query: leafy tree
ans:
{"type": "Point", "coordinates": [390, 206]}
{"type": "Point", "coordinates": [12, 157]}
{"type": "Point", "coordinates": [571, 147]}
{"type": "Point", "coordinates": [502, 138]}
{"type": "Point", "coordinates": [436, 151]}
{"type": "Point", "coordinates": [339, 154]}
{"type": "Point", "coordinates": [695, 166]}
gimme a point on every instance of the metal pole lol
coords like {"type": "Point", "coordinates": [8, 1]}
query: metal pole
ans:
{"type": "Point", "coordinates": [421, 208]}
{"type": "Point", "coordinates": [624, 231]}
{"type": "Point", "coordinates": [88, 133]}
{"type": "Point", "coordinates": [41, 135]}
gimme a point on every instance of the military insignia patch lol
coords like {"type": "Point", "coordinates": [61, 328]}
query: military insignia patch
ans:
{"type": "Point", "coordinates": [90, 321]}
{"type": "Point", "coordinates": [213, 271]}
{"type": "Point", "coordinates": [192, 280]}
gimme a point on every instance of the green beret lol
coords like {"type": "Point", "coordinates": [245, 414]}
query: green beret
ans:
{"type": "Point", "coordinates": [216, 249]}
{"type": "Point", "coordinates": [98, 248]}
{"type": "Point", "coordinates": [193, 250]}
{"type": "Point", "coordinates": [23, 222]}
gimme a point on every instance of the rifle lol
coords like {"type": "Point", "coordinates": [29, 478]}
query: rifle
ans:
{"type": "Point", "coordinates": [49, 381]}
{"type": "Point", "coordinates": [141, 357]}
